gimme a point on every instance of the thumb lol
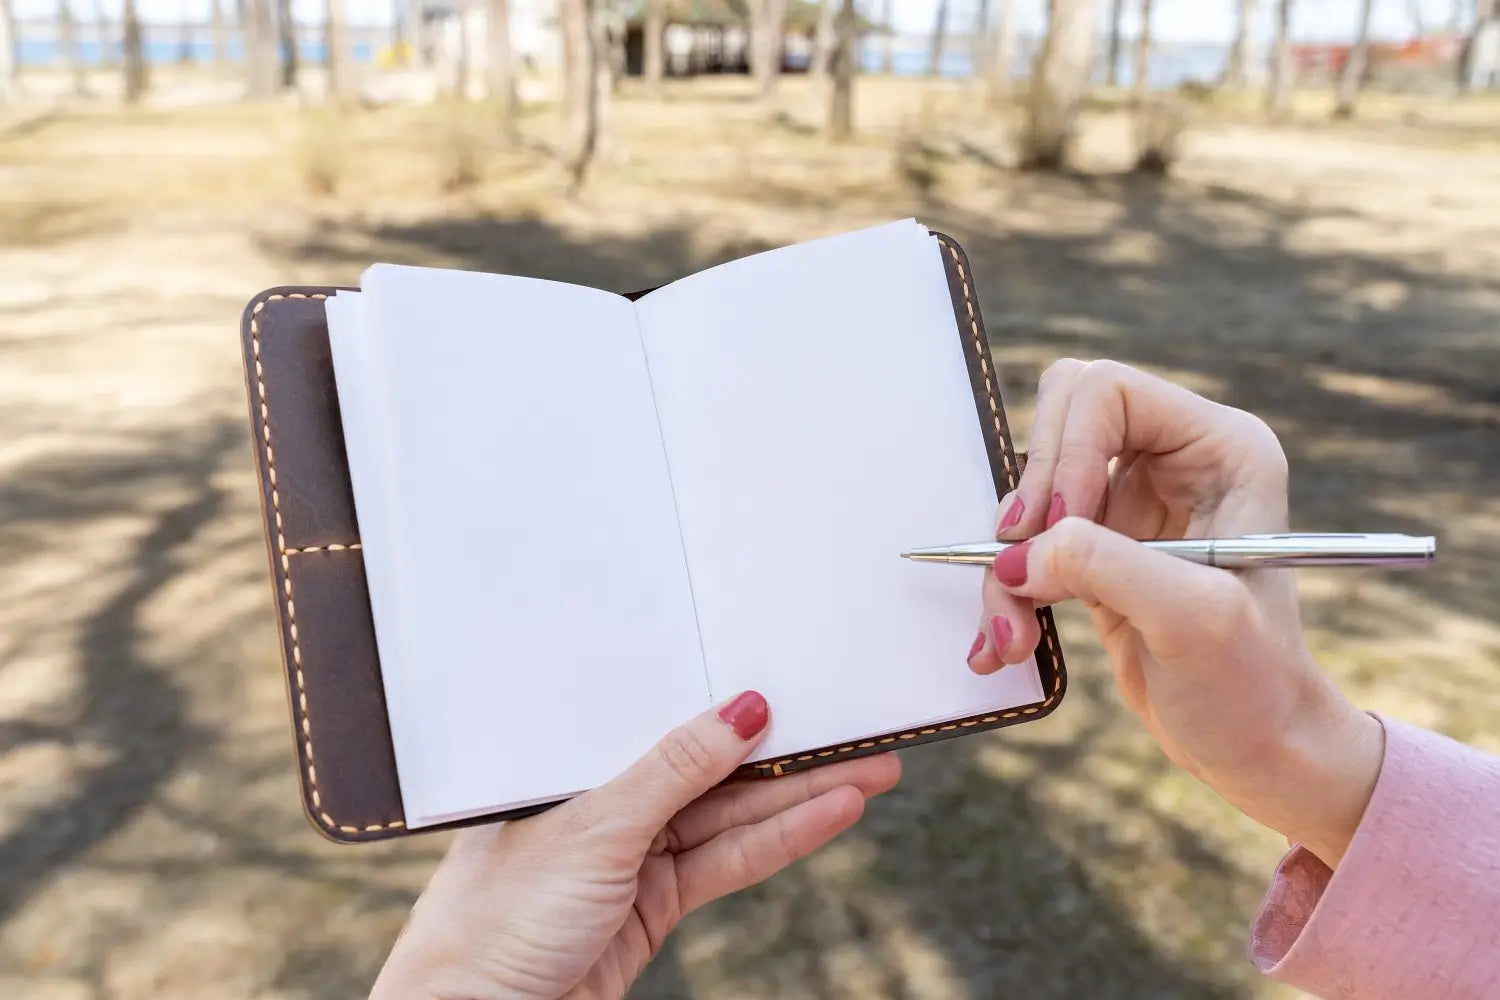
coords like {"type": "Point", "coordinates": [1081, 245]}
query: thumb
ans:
{"type": "Point", "coordinates": [1182, 611]}
{"type": "Point", "coordinates": [686, 763]}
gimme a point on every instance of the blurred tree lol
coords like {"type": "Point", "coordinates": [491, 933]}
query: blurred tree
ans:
{"type": "Point", "coordinates": [1002, 44]}
{"type": "Point", "coordinates": [502, 61]}
{"type": "Point", "coordinates": [1140, 77]}
{"type": "Point", "coordinates": [1279, 93]}
{"type": "Point", "coordinates": [1485, 11]}
{"type": "Point", "coordinates": [414, 27]}
{"type": "Point", "coordinates": [841, 97]}
{"type": "Point", "coordinates": [585, 84]}
{"type": "Point", "coordinates": [338, 60]}
{"type": "Point", "coordinates": [10, 63]}
{"type": "Point", "coordinates": [133, 55]}
{"type": "Point", "coordinates": [220, 33]}
{"type": "Point", "coordinates": [286, 23]}
{"type": "Point", "coordinates": [1237, 69]}
{"type": "Point", "coordinates": [939, 37]}
{"type": "Point", "coordinates": [67, 43]}
{"type": "Point", "coordinates": [1112, 70]}
{"type": "Point", "coordinates": [187, 33]}
{"type": "Point", "coordinates": [655, 45]}
{"type": "Point", "coordinates": [101, 25]}
{"type": "Point", "coordinates": [260, 49]}
{"type": "Point", "coordinates": [825, 40]}
{"type": "Point", "coordinates": [888, 51]}
{"type": "Point", "coordinates": [979, 49]}
{"type": "Point", "coordinates": [767, 25]}
{"type": "Point", "coordinates": [1059, 83]}
{"type": "Point", "coordinates": [1353, 76]}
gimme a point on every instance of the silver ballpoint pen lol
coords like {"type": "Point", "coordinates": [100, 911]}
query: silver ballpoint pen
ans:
{"type": "Point", "coordinates": [1246, 552]}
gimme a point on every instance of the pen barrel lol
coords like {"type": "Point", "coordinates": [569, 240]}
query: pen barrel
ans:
{"type": "Point", "coordinates": [1307, 551]}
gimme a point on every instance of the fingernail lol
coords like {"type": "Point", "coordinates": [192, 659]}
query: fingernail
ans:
{"type": "Point", "coordinates": [978, 645]}
{"type": "Point", "coordinates": [1001, 632]}
{"type": "Point", "coordinates": [1013, 514]}
{"type": "Point", "coordinates": [747, 714]}
{"type": "Point", "coordinates": [1010, 564]}
{"type": "Point", "coordinates": [1057, 511]}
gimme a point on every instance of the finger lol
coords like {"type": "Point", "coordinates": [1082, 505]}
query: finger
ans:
{"type": "Point", "coordinates": [686, 763]}
{"type": "Point", "coordinates": [1182, 610]}
{"type": "Point", "coordinates": [750, 802]}
{"type": "Point", "coordinates": [1008, 629]}
{"type": "Point", "coordinates": [1116, 409]}
{"type": "Point", "coordinates": [745, 855]}
{"type": "Point", "coordinates": [1132, 506]}
{"type": "Point", "coordinates": [1024, 511]}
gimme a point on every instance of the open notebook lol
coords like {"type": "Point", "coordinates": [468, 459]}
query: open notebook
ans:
{"type": "Point", "coordinates": [582, 519]}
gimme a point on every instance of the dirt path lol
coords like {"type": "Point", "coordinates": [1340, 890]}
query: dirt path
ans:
{"type": "Point", "coordinates": [1345, 285]}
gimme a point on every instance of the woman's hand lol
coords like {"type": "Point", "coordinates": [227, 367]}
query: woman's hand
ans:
{"type": "Point", "coordinates": [576, 901]}
{"type": "Point", "coordinates": [1213, 662]}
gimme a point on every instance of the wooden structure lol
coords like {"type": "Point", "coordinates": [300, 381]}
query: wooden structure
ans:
{"type": "Point", "coordinates": [713, 36]}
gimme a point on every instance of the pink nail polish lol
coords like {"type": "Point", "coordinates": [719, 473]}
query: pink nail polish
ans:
{"type": "Point", "coordinates": [1057, 511]}
{"type": "Point", "coordinates": [1001, 632]}
{"type": "Point", "coordinates": [978, 645]}
{"type": "Point", "coordinates": [1010, 564]}
{"type": "Point", "coordinates": [1013, 514]}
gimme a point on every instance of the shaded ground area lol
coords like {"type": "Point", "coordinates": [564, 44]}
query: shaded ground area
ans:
{"type": "Point", "coordinates": [1345, 284]}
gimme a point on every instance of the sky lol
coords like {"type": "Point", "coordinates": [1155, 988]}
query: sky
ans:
{"type": "Point", "coordinates": [1172, 20]}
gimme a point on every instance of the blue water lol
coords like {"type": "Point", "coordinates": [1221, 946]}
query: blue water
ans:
{"type": "Point", "coordinates": [161, 52]}
{"type": "Point", "coordinates": [1170, 66]}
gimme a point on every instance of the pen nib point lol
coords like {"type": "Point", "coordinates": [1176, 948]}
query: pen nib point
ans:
{"type": "Point", "coordinates": [906, 555]}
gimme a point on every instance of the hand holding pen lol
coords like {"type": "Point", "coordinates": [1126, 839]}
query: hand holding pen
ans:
{"type": "Point", "coordinates": [1215, 664]}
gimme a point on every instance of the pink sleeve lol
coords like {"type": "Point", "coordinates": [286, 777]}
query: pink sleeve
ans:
{"type": "Point", "coordinates": [1413, 911]}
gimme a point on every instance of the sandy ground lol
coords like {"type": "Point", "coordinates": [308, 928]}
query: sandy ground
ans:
{"type": "Point", "coordinates": [1342, 282]}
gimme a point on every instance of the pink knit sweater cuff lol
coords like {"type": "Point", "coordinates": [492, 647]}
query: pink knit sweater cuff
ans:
{"type": "Point", "coordinates": [1413, 910]}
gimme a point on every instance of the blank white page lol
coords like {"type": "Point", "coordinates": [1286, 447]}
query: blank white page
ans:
{"type": "Point", "coordinates": [546, 631]}
{"type": "Point", "coordinates": [818, 421]}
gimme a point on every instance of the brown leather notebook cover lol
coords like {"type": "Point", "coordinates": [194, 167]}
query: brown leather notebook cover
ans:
{"type": "Point", "coordinates": [343, 741]}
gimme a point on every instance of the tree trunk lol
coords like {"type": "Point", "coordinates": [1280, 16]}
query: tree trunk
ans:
{"type": "Point", "coordinates": [1140, 80]}
{"type": "Point", "coordinates": [582, 64]}
{"type": "Point", "coordinates": [10, 63]}
{"type": "Point", "coordinates": [1484, 11]}
{"type": "Point", "coordinates": [1059, 83]}
{"type": "Point", "coordinates": [133, 55]}
{"type": "Point", "coordinates": [1353, 76]}
{"type": "Point", "coordinates": [841, 97]}
{"type": "Point", "coordinates": [290, 57]}
{"type": "Point", "coordinates": [260, 49]}
{"type": "Point", "coordinates": [1279, 92]}
{"type": "Point", "coordinates": [1002, 53]}
{"type": "Point", "coordinates": [67, 41]}
{"type": "Point", "coordinates": [888, 52]}
{"type": "Point", "coordinates": [1237, 69]}
{"type": "Point", "coordinates": [101, 25]}
{"type": "Point", "coordinates": [416, 32]}
{"type": "Point", "coordinates": [1112, 71]}
{"type": "Point", "coordinates": [825, 40]}
{"type": "Point", "coordinates": [337, 59]}
{"type": "Point", "coordinates": [655, 41]}
{"type": "Point", "coordinates": [221, 34]}
{"type": "Point", "coordinates": [939, 36]}
{"type": "Point", "coordinates": [766, 46]}
{"type": "Point", "coordinates": [502, 63]}
{"type": "Point", "coordinates": [979, 50]}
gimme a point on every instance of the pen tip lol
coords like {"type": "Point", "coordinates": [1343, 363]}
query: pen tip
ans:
{"type": "Point", "coordinates": [906, 555]}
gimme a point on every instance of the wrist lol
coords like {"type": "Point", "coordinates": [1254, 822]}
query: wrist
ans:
{"type": "Point", "coordinates": [1326, 777]}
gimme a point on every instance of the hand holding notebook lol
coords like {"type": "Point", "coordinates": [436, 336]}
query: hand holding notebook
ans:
{"type": "Point", "coordinates": [583, 519]}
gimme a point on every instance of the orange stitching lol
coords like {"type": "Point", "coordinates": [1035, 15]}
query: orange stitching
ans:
{"type": "Point", "coordinates": [346, 547]}
{"type": "Point", "coordinates": [1010, 476]}
{"type": "Point", "coordinates": [304, 722]}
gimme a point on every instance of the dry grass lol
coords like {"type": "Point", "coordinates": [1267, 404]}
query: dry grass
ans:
{"type": "Point", "coordinates": [1340, 282]}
